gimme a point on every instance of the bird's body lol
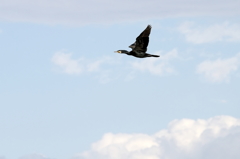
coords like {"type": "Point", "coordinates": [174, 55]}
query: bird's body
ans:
{"type": "Point", "coordinates": [139, 48]}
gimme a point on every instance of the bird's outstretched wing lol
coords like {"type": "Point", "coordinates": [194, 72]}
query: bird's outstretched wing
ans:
{"type": "Point", "coordinates": [142, 41]}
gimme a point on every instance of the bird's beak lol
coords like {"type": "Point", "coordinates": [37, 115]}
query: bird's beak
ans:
{"type": "Point", "coordinates": [117, 51]}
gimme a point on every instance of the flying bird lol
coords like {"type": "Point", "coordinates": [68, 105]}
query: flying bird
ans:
{"type": "Point", "coordinates": [139, 48]}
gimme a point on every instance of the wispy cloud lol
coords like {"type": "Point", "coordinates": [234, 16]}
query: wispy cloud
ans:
{"type": "Point", "coordinates": [219, 70]}
{"type": "Point", "coordinates": [81, 12]}
{"type": "Point", "coordinates": [157, 66]}
{"type": "Point", "coordinates": [218, 32]}
{"type": "Point", "coordinates": [217, 137]}
{"type": "Point", "coordinates": [66, 64]}
{"type": "Point", "coordinates": [34, 156]}
{"type": "Point", "coordinates": [223, 101]}
{"type": "Point", "coordinates": [109, 68]}
{"type": "Point", "coordinates": [95, 66]}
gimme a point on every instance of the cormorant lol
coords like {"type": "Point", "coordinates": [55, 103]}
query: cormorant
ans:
{"type": "Point", "coordinates": [139, 48]}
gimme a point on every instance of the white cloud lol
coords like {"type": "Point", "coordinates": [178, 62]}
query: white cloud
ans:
{"type": "Point", "coordinates": [66, 64]}
{"type": "Point", "coordinates": [157, 66]}
{"type": "Point", "coordinates": [34, 156]}
{"type": "Point", "coordinates": [79, 12]}
{"type": "Point", "coordinates": [95, 65]}
{"type": "Point", "coordinates": [223, 101]}
{"type": "Point", "coordinates": [220, 69]}
{"type": "Point", "coordinates": [217, 137]}
{"type": "Point", "coordinates": [109, 68]}
{"type": "Point", "coordinates": [214, 33]}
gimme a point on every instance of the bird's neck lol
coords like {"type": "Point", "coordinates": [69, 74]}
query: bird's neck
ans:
{"type": "Point", "coordinates": [125, 52]}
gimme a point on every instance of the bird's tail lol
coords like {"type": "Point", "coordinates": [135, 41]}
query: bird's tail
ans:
{"type": "Point", "coordinates": [155, 56]}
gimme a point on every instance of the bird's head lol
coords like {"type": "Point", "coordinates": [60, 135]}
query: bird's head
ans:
{"type": "Point", "coordinates": [122, 51]}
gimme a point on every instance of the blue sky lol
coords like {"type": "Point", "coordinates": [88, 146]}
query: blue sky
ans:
{"type": "Point", "coordinates": [65, 94]}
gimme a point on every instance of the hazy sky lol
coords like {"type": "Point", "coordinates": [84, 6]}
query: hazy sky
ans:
{"type": "Point", "coordinates": [65, 94]}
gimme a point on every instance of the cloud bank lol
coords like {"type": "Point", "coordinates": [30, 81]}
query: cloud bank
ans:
{"type": "Point", "coordinates": [217, 137]}
{"type": "Point", "coordinates": [72, 12]}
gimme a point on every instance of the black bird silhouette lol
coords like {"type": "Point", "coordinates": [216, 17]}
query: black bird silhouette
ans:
{"type": "Point", "coordinates": [139, 48]}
